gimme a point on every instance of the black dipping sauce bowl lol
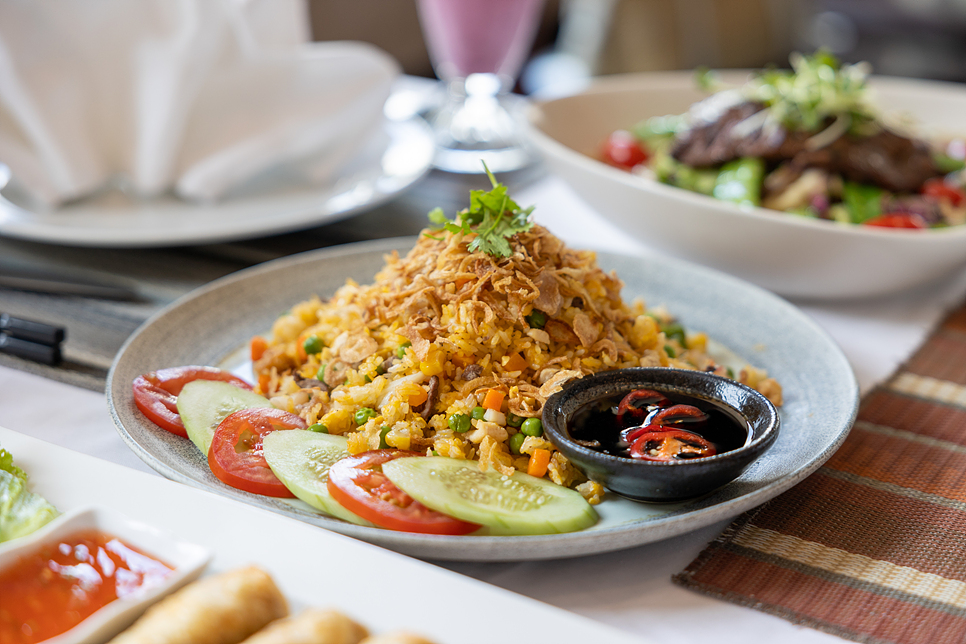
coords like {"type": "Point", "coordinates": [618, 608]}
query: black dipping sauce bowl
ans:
{"type": "Point", "coordinates": [661, 481]}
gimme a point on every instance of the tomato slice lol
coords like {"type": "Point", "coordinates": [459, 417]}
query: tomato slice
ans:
{"type": "Point", "coordinates": [358, 484]}
{"type": "Point", "coordinates": [235, 456]}
{"type": "Point", "coordinates": [670, 445]}
{"type": "Point", "coordinates": [622, 149]}
{"type": "Point", "coordinates": [898, 220]}
{"type": "Point", "coordinates": [156, 393]}
{"type": "Point", "coordinates": [939, 190]}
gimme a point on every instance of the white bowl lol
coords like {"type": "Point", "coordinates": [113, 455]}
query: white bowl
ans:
{"type": "Point", "coordinates": [793, 256]}
{"type": "Point", "coordinates": [187, 560]}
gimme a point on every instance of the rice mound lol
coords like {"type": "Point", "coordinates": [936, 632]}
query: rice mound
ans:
{"type": "Point", "coordinates": [442, 326]}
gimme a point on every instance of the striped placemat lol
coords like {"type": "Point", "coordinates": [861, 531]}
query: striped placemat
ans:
{"type": "Point", "coordinates": [872, 547]}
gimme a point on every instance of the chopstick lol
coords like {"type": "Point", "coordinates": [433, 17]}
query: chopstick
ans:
{"type": "Point", "coordinates": [30, 340]}
{"type": "Point", "coordinates": [46, 281]}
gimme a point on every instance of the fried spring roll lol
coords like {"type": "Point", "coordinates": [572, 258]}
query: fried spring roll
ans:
{"type": "Point", "coordinates": [398, 637]}
{"type": "Point", "coordinates": [222, 609]}
{"type": "Point", "coordinates": [311, 626]}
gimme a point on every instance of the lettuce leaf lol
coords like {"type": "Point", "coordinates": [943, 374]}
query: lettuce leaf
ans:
{"type": "Point", "coordinates": [21, 511]}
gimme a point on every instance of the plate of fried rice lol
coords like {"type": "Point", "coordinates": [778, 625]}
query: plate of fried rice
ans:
{"type": "Point", "coordinates": [416, 330]}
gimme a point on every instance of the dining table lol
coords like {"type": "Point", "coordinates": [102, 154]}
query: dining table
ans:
{"type": "Point", "coordinates": [629, 589]}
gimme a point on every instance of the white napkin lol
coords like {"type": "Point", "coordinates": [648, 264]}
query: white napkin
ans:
{"type": "Point", "coordinates": [195, 96]}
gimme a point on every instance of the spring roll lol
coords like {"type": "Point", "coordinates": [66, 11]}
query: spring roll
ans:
{"type": "Point", "coordinates": [222, 609]}
{"type": "Point", "coordinates": [397, 637]}
{"type": "Point", "coordinates": [311, 626]}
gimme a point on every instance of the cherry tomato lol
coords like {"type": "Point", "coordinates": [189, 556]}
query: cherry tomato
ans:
{"type": "Point", "coordinates": [670, 445]}
{"type": "Point", "coordinates": [235, 456]}
{"type": "Point", "coordinates": [634, 406]}
{"type": "Point", "coordinates": [940, 190]}
{"type": "Point", "coordinates": [898, 220]}
{"type": "Point", "coordinates": [622, 149]}
{"type": "Point", "coordinates": [358, 484]}
{"type": "Point", "coordinates": [156, 393]}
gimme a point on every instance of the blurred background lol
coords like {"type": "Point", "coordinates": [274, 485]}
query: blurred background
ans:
{"type": "Point", "coordinates": [581, 38]}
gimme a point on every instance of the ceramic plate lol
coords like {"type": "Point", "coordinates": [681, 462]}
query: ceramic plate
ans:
{"type": "Point", "coordinates": [187, 561]}
{"type": "Point", "coordinates": [793, 256]}
{"type": "Point", "coordinates": [213, 325]}
{"type": "Point", "coordinates": [312, 567]}
{"type": "Point", "coordinates": [389, 163]}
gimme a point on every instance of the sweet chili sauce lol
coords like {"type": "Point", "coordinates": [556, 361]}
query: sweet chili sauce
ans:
{"type": "Point", "coordinates": [61, 584]}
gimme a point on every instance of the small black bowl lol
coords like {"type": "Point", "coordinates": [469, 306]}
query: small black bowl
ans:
{"type": "Point", "coordinates": [661, 481]}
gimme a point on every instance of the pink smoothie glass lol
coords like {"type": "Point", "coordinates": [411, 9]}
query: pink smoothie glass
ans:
{"type": "Point", "coordinates": [478, 48]}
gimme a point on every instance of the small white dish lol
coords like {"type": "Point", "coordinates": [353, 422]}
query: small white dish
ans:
{"type": "Point", "coordinates": [792, 256]}
{"type": "Point", "coordinates": [187, 560]}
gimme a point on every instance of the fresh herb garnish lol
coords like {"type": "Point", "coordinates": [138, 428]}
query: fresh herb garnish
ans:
{"type": "Point", "coordinates": [492, 216]}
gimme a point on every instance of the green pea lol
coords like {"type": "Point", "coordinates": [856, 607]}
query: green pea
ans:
{"type": "Point", "coordinates": [536, 319]}
{"type": "Point", "coordinates": [671, 353]}
{"type": "Point", "coordinates": [319, 427]}
{"type": "Point", "coordinates": [675, 331]}
{"type": "Point", "coordinates": [381, 369]}
{"type": "Point", "coordinates": [363, 414]}
{"type": "Point", "coordinates": [312, 344]}
{"type": "Point", "coordinates": [320, 374]}
{"type": "Point", "coordinates": [382, 437]}
{"type": "Point", "coordinates": [368, 378]}
{"type": "Point", "coordinates": [516, 442]}
{"type": "Point", "coordinates": [459, 423]}
{"type": "Point", "coordinates": [513, 420]}
{"type": "Point", "coordinates": [730, 372]}
{"type": "Point", "coordinates": [478, 413]}
{"type": "Point", "coordinates": [401, 351]}
{"type": "Point", "coordinates": [532, 427]}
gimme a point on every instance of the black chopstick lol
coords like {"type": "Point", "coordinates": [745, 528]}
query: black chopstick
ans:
{"type": "Point", "coordinates": [30, 340]}
{"type": "Point", "coordinates": [34, 351]}
{"type": "Point", "coordinates": [47, 281]}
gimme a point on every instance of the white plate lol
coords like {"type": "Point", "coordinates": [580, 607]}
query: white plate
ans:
{"type": "Point", "coordinates": [313, 568]}
{"type": "Point", "coordinates": [388, 164]}
{"type": "Point", "coordinates": [793, 256]}
{"type": "Point", "coordinates": [187, 561]}
{"type": "Point", "coordinates": [213, 324]}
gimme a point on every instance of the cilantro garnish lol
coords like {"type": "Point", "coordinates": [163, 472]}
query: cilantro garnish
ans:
{"type": "Point", "coordinates": [492, 215]}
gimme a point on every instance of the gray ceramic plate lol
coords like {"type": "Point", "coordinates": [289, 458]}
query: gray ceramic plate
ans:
{"type": "Point", "coordinates": [213, 325]}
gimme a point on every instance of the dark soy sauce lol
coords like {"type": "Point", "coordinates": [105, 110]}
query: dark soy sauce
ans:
{"type": "Point", "coordinates": [596, 427]}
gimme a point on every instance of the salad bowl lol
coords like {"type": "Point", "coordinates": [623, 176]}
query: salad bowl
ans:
{"type": "Point", "coordinates": [791, 255]}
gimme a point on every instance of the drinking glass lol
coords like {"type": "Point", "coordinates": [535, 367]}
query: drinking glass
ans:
{"type": "Point", "coordinates": [478, 48]}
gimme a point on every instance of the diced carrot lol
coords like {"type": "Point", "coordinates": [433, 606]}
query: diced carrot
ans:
{"type": "Point", "coordinates": [539, 461]}
{"type": "Point", "coordinates": [263, 381]}
{"type": "Point", "coordinates": [258, 347]}
{"type": "Point", "coordinates": [514, 362]}
{"type": "Point", "coordinates": [415, 400]}
{"type": "Point", "coordinates": [493, 399]}
{"type": "Point", "coordinates": [462, 360]}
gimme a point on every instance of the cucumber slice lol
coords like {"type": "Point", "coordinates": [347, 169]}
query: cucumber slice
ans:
{"type": "Point", "coordinates": [203, 404]}
{"type": "Point", "coordinates": [301, 460]}
{"type": "Point", "coordinates": [519, 504]}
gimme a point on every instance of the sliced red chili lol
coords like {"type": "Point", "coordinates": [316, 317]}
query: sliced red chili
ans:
{"type": "Point", "coordinates": [633, 408]}
{"type": "Point", "coordinates": [677, 415]}
{"type": "Point", "coordinates": [670, 445]}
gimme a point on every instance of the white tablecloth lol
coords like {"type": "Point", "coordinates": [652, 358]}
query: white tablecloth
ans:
{"type": "Point", "coordinates": [630, 589]}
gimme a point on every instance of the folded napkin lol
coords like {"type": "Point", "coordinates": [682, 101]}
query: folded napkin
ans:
{"type": "Point", "coordinates": [872, 547]}
{"type": "Point", "coordinates": [197, 96]}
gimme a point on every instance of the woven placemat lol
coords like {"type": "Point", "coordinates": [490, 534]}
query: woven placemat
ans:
{"type": "Point", "coordinates": [872, 547]}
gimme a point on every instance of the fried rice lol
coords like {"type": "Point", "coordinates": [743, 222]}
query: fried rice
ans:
{"type": "Point", "coordinates": [393, 363]}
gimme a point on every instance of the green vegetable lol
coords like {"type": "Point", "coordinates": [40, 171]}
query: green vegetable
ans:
{"type": "Point", "coordinates": [513, 420]}
{"type": "Point", "coordinates": [536, 319]}
{"type": "Point", "coordinates": [518, 504]}
{"type": "Point", "coordinates": [739, 181]}
{"type": "Point", "coordinates": [312, 345]}
{"type": "Point", "coordinates": [319, 427]}
{"type": "Point", "coordinates": [493, 216]}
{"type": "Point", "coordinates": [478, 413]}
{"type": "Point", "coordinates": [301, 461]}
{"type": "Point", "coordinates": [363, 414]}
{"type": "Point", "coordinates": [863, 201]}
{"type": "Point", "coordinates": [516, 442]}
{"type": "Point", "coordinates": [675, 173]}
{"type": "Point", "coordinates": [459, 423]}
{"type": "Point", "coordinates": [382, 436]}
{"type": "Point", "coordinates": [532, 427]}
{"type": "Point", "coordinates": [659, 129]}
{"type": "Point", "coordinates": [669, 350]}
{"type": "Point", "coordinates": [203, 404]}
{"type": "Point", "coordinates": [320, 374]}
{"type": "Point", "coordinates": [21, 511]}
{"type": "Point", "coordinates": [947, 164]}
{"type": "Point", "coordinates": [675, 331]}
{"type": "Point", "coordinates": [838, 212]}
{"type": "Point", "coordinates": [401, 351]}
